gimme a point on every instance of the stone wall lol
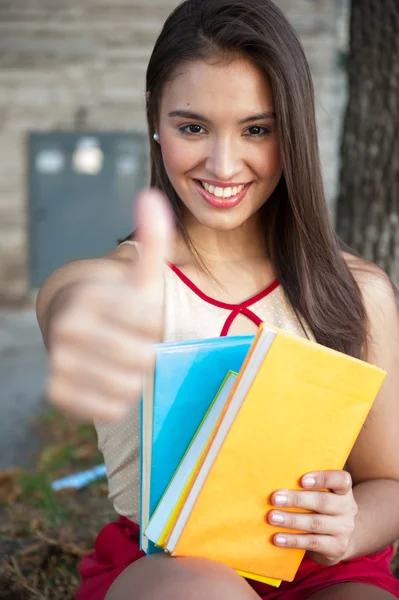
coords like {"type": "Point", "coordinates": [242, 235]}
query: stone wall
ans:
{"type": "Point", "coordinates": [88, 59]}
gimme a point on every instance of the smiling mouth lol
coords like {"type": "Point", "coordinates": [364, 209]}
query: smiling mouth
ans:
{"type": "Point", "coordinates": [222, 197]}
{"type": "Point", "coordinates": [222, 192]}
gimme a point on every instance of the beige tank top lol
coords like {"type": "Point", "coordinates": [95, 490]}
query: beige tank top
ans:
{"type": "Point", "coordinates": [189, 314]}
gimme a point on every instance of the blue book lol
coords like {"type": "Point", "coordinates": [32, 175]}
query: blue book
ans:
{"type": "Point", "coordinates": [179, 486]}
{"type": "Point", "coordinates": [175, 400]}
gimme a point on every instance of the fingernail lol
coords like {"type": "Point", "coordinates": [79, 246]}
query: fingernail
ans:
{"type": "Point", "coordinates": [280, 499]}
{"type": "Point", "coordinates": [277, 518]}
{"type": "Point", "coordinates": [309, 482]}
{"type": "Point", "coordinates": [280, 540]}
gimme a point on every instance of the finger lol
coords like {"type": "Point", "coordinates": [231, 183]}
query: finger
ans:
{"type": "Point", "coordinates": [96, 374]}
{"type": "Point", "coordinates": [328, 545]}
{"type": "Point", "coordinates": [137, 318]}
{"type": "Point", "coordinates": [340, 482]}
{"type": "Point", "coordinates": [155, 230]}
{"type": "Point", "coordinates": [117, 347]}
{"type": "Point", "coordinates": [85, 406]}
{"type": "Point", "coordinates": [130, 354]}
{"type": "Point", "coordinates": [309, 522]}
{"type": "Point", "coordinates": [141, 317]}
{"type": "Point", "coordinates": [325, 503]}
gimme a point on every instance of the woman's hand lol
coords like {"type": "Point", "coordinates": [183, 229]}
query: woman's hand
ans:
{"type": "Point", "coordinates": [330, 525]}
{"type": "Point", "coordinates": [101, 340]}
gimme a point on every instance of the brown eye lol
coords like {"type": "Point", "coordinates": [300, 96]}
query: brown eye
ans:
{"type": "Point", "coordinates": [192, 129]}
{"type": "Point", "coordinates": [258, 131]}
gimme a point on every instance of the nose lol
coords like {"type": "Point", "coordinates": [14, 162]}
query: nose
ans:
{"type": "Point", "coordinates": [223, 160]}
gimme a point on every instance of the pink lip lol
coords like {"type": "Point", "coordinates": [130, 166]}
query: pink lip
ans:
{"type": "Point", "coordinates": [221, 202]}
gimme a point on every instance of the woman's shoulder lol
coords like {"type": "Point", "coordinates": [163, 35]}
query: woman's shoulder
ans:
{"type": "Point", "coordinates": [379, 294]}
{"type": "Point", "coordinates": [371, 279]}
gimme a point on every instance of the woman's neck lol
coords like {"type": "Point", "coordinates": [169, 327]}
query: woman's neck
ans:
{"type": "Point", "coordinates": [241, 245]}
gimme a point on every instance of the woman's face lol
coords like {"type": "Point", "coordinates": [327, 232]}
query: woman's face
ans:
{"type": "Point", "coordinates": [219, 142]}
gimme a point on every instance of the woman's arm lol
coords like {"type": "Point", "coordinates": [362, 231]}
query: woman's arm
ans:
{"type": "Point", "coordinates": [374, 461]}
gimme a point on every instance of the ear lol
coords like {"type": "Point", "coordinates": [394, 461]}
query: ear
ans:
{"type": "Point", "coordinates": [147, 96]}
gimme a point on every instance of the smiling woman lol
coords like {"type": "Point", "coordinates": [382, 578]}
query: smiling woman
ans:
{"type": "Point", "coordinates": [234, 154]}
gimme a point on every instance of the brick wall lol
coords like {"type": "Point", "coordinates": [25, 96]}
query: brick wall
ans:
{"type": "Point", "coordinates": [92, 55]}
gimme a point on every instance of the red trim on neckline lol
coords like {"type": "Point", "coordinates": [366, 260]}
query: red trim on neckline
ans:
{"type": "Point", "coordinates": [232, 316]}
{"type": "Point", "coordinates": [270, 288]}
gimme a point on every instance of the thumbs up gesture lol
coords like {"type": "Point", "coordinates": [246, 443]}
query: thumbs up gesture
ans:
{"type": "Point", "coordinates": [101, 340]}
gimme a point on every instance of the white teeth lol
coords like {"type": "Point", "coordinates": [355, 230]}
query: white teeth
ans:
{"type": "Point", "coordinates": [222, 192]}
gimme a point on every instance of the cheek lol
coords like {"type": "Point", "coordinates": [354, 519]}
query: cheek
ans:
{"type": "Point", "coordinates": [178, 156]}
{"type": "Point", "coordinates": [269, 163]}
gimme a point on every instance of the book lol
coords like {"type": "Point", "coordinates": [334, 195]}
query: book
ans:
{"type": "Point", "coordinates": [176, 397]}
{"type": "Point", "coordinates": [173, 499]}
{"type": "Point", "coordinates": [296, 407]}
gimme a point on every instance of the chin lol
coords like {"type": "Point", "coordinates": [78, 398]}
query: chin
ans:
{"type": "Point", "coordinates": [227, 221]}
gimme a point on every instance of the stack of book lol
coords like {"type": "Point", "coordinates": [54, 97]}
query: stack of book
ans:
{"type": "Point", "coordinates": [226, 422]}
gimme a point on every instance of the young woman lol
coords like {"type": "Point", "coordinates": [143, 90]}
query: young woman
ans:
{"type": "Point", "coordinates": [240, 235]}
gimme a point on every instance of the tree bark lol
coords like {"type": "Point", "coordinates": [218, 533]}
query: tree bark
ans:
{"type": "Point", "coordinates": [368, 201]}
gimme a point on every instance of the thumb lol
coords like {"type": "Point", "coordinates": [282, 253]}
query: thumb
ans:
{"type": "Point", "coordinates": [155, 231]}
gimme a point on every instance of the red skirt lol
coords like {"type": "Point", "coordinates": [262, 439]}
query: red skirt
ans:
{"type": "Point", "coordinates": [117, 547]}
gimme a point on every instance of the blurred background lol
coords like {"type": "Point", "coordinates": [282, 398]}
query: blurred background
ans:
{"type": "Point", "coordinates": [73, 129]}
{"type": "Point", "coordinates": [73, 153]}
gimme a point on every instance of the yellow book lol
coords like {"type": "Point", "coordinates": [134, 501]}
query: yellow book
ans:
{"type": "Point", "coordinates": [165, 534]}
{"type": "Point", "coordinates": [296, 407]}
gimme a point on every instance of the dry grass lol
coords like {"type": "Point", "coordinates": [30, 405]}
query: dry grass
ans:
{"type": "Point", "coordinates": [43, 535]}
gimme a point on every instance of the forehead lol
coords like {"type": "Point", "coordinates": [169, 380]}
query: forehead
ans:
{"type": "Point", "coordinates": [219, 89]}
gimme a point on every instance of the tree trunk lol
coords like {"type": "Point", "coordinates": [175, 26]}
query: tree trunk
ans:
{"type": "Point", "coordinates": [368, 202]}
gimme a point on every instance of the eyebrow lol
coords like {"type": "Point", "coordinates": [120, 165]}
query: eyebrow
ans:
{"type": "Point", "coordinates": [197, 117]}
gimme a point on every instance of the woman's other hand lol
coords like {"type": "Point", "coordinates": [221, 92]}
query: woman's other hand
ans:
{"type": "Point", "coordinates": [328, 527]}
{"type": "Point", "coordinates": [101, 341]}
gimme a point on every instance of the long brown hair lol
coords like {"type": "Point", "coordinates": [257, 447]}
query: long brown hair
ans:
{"type": "Point", "coordinates": [301, 242]}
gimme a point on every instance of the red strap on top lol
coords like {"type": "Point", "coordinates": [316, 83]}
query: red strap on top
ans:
{"type": "Point", "coordinates": [236, 309]}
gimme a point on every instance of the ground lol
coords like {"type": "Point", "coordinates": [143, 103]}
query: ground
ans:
{"type": "Point", "coordinates": [41, 535]}
{"type": "Point", "coordinates": [23, 371]}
